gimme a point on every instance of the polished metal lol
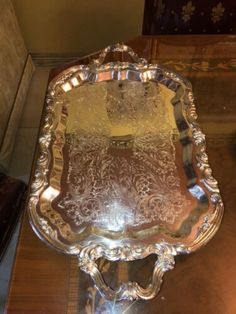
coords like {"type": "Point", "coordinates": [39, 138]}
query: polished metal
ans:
{"type": "Point", "coordinates": [121, 169]}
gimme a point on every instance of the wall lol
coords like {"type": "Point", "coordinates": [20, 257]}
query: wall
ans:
{"type": "Point", "coordinates": [77, 26]}
{"type": "Point", "coordinates": [13, 52]}
{"type": "Point", "coordinates": [15, 74]}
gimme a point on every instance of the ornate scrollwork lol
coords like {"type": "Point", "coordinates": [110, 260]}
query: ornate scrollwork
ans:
{"type": "Point", "coordinates": [130, 290]}
{"type": "Point", "coordinates": [119, 48]}
{"type": "Point", "coordinates": [211, 222]}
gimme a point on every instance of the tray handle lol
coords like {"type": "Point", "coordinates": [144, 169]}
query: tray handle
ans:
{"type": "Point", "coordinates": [118, 48]}
{"type": "Point", "coordinates": [129, 290]}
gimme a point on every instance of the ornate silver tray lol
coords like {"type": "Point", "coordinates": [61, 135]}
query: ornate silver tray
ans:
{"type": "Point", "coordinates": [121, 169]}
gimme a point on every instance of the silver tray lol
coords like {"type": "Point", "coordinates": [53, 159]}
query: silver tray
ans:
{"type": "Point", "coordinates": [121, 169]}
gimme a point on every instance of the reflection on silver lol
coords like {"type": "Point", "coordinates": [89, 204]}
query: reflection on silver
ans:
{"type": "Point", "coordinates": [197, 192]}
{"type": "Point", "coordinates": [50, 193]}
{"type": "Point", "coordinates": [115, 216]}
{"type": "Point", "coordinates": [80, 205]}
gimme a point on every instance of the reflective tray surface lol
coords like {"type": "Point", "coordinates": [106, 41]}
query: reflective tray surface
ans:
{"type": "Point", "coordinates": [122, 171]}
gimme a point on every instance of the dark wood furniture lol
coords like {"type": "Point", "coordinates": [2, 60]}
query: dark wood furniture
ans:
{"type": "Point", "coordinates": [44, 281]}
{"type": "Point", "coordinates": [12, 196]}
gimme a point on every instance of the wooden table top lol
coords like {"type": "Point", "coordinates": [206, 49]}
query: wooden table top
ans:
{"type": "Point", "coordinates": [44, 281]}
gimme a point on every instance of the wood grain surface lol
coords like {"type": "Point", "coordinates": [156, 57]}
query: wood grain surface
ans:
{"type": "Point", "coordinates": [44, 281]}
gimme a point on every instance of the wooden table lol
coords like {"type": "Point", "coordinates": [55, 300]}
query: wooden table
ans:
{"type": "Point", "coordinates": [44, 281]}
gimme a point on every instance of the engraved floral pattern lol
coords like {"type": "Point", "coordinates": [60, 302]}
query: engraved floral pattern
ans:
{"type": "Point", "coordinates": [137, 183]}
{"type": "Point", "coordinates": [115, 190]}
